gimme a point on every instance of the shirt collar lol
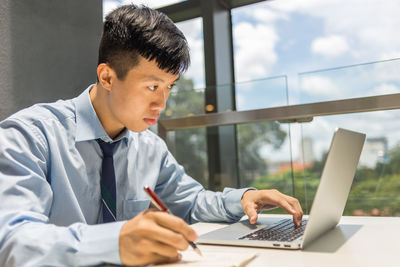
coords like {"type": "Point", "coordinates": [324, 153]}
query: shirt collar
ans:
{"type": "Point", "coordinates": [88, 125]}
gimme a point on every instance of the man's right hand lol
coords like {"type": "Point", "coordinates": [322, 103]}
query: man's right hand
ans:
{"type": "Point", "coordinates": [154, 237]}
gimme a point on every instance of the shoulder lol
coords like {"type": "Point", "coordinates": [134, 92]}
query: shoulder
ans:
{"type": "Point", "coordinates": [45, 112]}
{"type": "Point", "coordinates": [41, 119]}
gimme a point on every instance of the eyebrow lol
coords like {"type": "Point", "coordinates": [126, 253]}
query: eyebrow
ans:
{"type": "Point", "coordinates": [157, 79]}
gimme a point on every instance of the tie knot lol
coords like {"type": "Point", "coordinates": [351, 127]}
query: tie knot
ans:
{"type": "Point", "coordinates": [107, 148]}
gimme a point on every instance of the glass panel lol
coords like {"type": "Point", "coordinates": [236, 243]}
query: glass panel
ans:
{"type": "Point", "coordinates": [193, 31]}
{"type": "Point", "coordinates": [324, 57]}
{"type": "Point", "coordinates": [265, 156]}
{"type": "Point", "coordinates": [189, 148]}
{"type": "Point", "coordinates": [184, 100]}
{"type": "Point", "coordinates": [377, 78]}
{"type": "Point", "coordinates": [375, 190]}
{"type": "Point", "coordinates": [290, 37]}
{"type": "Point", "coordinates": [263, 93]}
{"type": "Point", "coordinates": [187, 97]}
{"type": "Point", "coordinates": [264, 147]}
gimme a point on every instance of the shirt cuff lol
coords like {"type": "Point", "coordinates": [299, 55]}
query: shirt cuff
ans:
{"type": "Point", "coordinates": [101, 243]}
{"type": "Point", "coordinates": [233, 201]}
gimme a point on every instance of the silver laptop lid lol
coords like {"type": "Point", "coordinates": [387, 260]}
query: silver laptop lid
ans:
{"type": "Point", "coordinates": [336, 179]}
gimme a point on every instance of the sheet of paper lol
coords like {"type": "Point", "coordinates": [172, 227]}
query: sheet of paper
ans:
{"type": "Point", "coordinates": [213, 259]}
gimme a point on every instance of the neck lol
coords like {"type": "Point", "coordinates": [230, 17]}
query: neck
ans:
{"type": "Point", "coordinates": [98, 96]}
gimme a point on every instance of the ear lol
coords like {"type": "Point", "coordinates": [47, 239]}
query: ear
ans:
{"type": "Point", "coordinates": [106, 76]}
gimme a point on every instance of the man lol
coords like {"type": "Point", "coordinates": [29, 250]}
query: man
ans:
{"type": "Point", "coordinates": [55, 163]}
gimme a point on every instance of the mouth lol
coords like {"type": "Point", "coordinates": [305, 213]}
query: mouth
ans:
{"type": "Point", "coordinates": [150, 121]}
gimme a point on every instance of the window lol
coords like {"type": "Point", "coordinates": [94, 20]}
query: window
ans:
{"type": "Point", "coordinates": [295, 52]}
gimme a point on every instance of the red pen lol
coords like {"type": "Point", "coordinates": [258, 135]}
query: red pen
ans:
{"type": "Point", "coordinates": [162, 207]}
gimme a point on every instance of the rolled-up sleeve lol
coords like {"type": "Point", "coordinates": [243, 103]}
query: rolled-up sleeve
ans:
{"type": "Point", "coordinates": [26, 236]}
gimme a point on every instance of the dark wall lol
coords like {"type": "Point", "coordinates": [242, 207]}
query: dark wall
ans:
{"type": "Point", "coordinates": [48, 50]}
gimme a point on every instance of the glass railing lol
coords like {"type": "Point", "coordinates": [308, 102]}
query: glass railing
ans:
{"type": "Point", "coordinates": [186, 101]}
{"type": "Point", "coordinates": [262, 93]}
{"type": "Point", "coordinates": [369, 79]}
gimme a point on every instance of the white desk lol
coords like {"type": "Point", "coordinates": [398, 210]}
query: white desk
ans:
{"type": "Point", "coordinates": [356, 241]}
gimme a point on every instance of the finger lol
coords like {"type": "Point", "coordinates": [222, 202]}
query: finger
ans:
{"type": "Point", "coordinates": [251, 212]}
{"type": "Point", "coordinates": [284, 204]}
{"type": "Point", "coordinates": [161, 249]}
{"type": "Point", "coordinates": [298, 214]}
{"type": "Point", "coordinates": [168, 237]}
{"type": "Point", "coordinates": [297, 218]}
{"type": "Point", "coordinates": [175, 224]}
{"type": "Point", "coordinates": [292, 205]}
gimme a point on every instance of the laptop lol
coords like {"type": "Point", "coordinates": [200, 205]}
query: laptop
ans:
{"type": "Point", "coordinates": [326, 211]}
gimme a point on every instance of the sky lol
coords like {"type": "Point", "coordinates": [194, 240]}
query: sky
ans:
{"type": "Point", "coordinates": [293, 52]}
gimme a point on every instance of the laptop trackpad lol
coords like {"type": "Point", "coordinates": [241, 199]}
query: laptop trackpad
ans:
{"type": "Point", "coordinates": [239, 229]}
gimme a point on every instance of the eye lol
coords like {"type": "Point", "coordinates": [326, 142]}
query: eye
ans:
{"type": "Point", "coordinates": [171, 86]}
{"type": "Point", "coordinates": [153, 88]}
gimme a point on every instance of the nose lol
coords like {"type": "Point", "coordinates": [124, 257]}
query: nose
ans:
{"type": "Point", "coordinates": [160, 100]}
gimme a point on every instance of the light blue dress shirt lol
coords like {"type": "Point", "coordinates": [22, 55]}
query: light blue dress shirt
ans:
{"type": "Point", "coordinates": [50, 199]}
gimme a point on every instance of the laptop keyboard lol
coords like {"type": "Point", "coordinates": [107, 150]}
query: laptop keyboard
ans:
{"type": "Point", "coordinates": [283, 230]}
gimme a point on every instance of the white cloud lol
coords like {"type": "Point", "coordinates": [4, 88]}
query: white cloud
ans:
{"type": "Point", "coordinates": [192, 29]}
{"type": "Point", "coordinates": [386, 88]}
{"type": "Point", "coordinates": [108, 6]}
{"type": "Point", "coordinates": [294, 5]}
{"type": "Point", "coordinates": [255, 50]}
{"type": "Point", "coordinates": [266, 15]}
{"type": "Point", "coordinates": [319, 86]}
{"type": "Point", "coordinates": [330, 46]}
{"type": "Point", "coordinates": [388, 71]}
{"type": "Point", "coordinates": [370, 25]}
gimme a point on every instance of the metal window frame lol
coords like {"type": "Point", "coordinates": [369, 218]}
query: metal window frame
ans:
{"type": "Point", "coordinates": [191, 9]}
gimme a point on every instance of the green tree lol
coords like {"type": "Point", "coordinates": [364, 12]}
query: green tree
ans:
{"type": "Point", "coordinates": [251, 137]}
{"type": "Point", "coordinates": [374, 192]}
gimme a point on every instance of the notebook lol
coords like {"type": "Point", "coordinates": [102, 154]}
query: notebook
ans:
{"type": "Point", "coordinates": [327, 208]}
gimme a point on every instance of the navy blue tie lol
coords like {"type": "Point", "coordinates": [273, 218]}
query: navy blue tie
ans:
{"type": "Point", "coordinates": [108, 189]}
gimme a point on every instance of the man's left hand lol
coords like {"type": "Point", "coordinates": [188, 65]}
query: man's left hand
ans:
{"type": "Point", "coordinates": [255, 200]}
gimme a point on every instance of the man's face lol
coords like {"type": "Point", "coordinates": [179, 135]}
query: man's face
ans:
{"type": "Point", "coordinates": [136, 101]}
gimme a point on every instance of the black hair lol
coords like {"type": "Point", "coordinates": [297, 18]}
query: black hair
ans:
{"type": "Point", "coordinates": [130, 31]}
